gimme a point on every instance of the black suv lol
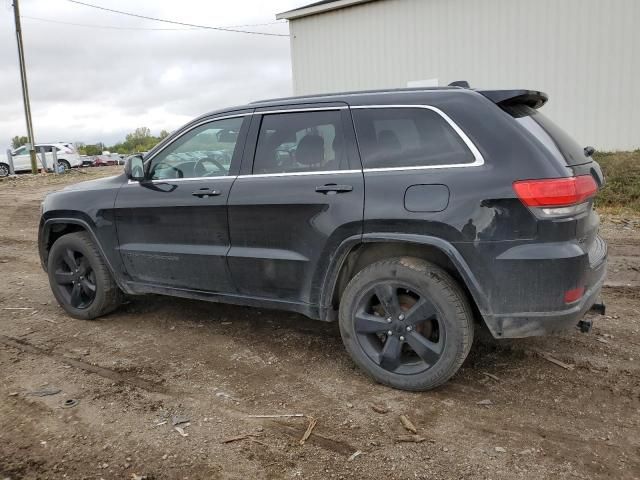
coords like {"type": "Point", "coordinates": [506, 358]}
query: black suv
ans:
{"type": "Point", "coordinates": [406, 215]}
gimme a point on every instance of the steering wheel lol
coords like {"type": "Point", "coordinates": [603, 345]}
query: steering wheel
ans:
{"type": "Point", "coordinates": [200, 171]}
{"type": "Point", "coordinates": [167, 166]}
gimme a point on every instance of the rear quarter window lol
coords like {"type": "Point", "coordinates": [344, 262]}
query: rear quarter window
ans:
{"type": "Point", "coordinates": [408, 137]}
{"type": "Point", "coordinates": [555, 139]}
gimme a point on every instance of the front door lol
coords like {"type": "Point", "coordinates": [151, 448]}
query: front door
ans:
{"type": "Point", "coordinates": [300, 195]}
{"type": "Point", "coordinates": [172, 227]}
{"type": "Point", "coordinates": [22, 159]}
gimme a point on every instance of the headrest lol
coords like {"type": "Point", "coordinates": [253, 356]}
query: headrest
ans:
{"type": "Point", "coordinates": [310, 150]}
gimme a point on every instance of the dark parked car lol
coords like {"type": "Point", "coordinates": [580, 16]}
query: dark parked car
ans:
{"type": "Point", "coordinates": [107, 160]}
{"type": "Point", "coordinates": [410, 216]}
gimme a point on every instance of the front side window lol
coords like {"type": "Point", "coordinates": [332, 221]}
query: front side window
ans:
{"type": "Point", "coordinates": [20, 151]}
{"type": "Point", "coordinates": [205, 151]}
{"type": "Point", "coordinates": [408, 137]}
{"type": "Point", "coordinates": [300, 142]}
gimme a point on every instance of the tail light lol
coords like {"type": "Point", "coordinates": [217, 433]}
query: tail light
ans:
{"type": "Point", "coordinates": [573, 295]}
{"type": "Point", "coordinates": [557, 197]}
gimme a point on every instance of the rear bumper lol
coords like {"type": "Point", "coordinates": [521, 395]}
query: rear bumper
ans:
{"type": "Point", "coordinates": [528, 324]}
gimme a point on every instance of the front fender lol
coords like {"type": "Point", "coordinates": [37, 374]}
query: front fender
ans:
{"type": "Point", "coordinates": [44, 233]}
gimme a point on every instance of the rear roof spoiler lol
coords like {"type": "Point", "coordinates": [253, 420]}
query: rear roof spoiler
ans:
{"type": "Point", "coordinates": [531, 98]}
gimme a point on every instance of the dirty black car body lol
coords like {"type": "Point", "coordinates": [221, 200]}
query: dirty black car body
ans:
{"type": "Point", "coordinates": [407, 215]}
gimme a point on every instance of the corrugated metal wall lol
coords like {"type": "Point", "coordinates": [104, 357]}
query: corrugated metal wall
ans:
{"type": "Point", "coordinates": [584, 53]}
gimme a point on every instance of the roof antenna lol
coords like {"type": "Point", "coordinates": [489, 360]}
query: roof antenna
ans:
{"type": "Point", "coordinates": [460, 83]}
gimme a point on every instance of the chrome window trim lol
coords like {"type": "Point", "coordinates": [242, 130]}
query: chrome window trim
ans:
{"type": "Point", "coordinates": [479, 159]}
{"type": "Point", "coordinates": [299, 174]}
{"type": "Point", "coordinates": [296, 110]}
{"type": "Point", "coordinates": [189, 179]}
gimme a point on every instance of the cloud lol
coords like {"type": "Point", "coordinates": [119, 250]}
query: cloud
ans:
{"type": "Point", "coordinates": [91, 84]}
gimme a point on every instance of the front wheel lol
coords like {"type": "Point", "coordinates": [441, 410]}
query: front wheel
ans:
{"type": "Point", "coordinates": [406, 323]}
{"type": "Point", "coordinates": [4, 170]}
{"type": "Point", "coordinates": [80, 279]}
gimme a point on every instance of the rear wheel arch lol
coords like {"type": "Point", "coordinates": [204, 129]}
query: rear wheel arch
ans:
{"type": "Point", "coordinates": [433, 250]}
{"type": "Point", "coordinates": [65, 163]}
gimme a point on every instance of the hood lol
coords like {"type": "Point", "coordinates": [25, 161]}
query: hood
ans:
{"type": "Point", "coordinates": [97, 184]}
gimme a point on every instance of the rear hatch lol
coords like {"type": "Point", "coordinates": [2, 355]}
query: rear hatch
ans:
{"type": "Point", "coordinates": [576, 219]}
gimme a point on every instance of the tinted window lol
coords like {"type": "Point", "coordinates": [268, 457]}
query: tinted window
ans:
{"type": "Point", "coordinates": [407, 137]}
{"type": "Point", "coordinates": [205, 151]}
{"type": "Point", "coordinates": [557, 141]}
{"type": "Point", "coordinates": [20, 151]}
{"type": "Point", "coordinates": [300, 142]}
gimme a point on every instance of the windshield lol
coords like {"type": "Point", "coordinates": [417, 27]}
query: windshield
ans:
{"type": "Point", "coordinates": [556, 140]}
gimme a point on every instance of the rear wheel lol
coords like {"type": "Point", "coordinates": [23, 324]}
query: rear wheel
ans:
{"type": "Point", "coordinates": [407, 323]}
{"type": "Point", "coordinates": [80, 279]}
{"type": "Point", "coordinates": [64, 164]}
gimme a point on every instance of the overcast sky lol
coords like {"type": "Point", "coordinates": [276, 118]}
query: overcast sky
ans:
{"type": "Point", "coordinates": [90, 84]}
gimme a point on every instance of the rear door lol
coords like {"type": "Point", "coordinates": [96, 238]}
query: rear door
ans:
{"type": "Point", "coordinates": [300, 194]}
{"type": "Point", "coordinates": [172, 227]}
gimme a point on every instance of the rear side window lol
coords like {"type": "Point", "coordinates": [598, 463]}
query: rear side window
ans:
{"type": "Point", "coordinates": [556, 140]}
{"type": "Point", "coordinates": [300, 142]}
{"type": "Point", "coordinates": [407, 137]}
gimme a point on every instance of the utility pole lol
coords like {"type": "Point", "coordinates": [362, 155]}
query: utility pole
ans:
{"type": "Point", "coordinates": [25, 89]}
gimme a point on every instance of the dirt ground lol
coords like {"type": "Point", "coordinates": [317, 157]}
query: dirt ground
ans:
{"type": "Point", "coordinates": [508, 414]}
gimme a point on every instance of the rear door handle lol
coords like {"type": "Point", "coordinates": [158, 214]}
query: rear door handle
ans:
{"type": "Point", "coordinates": [206, 193]}
{"type": "Point", "coordinates": [332, 188]}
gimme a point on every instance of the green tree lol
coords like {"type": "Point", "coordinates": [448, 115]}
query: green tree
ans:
{"type": "Point", "coordinates": [139, 135]}
{"type": "Point", "coordinates": [17, 141]}
{"type": "Point", "coordinates": [140, 140]}
{"type": "Point", "coordinates": [92, 150]}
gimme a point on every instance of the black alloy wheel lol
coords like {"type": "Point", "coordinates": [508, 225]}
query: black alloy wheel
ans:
{"type": "Point", "coordinates": [75, 279]}
{"type": "Point", "coordinates": [398, 328]}
{"type": "Point", "coordinates": [406, 322]}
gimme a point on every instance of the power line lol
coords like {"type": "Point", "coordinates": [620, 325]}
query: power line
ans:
{"type": "Point", "coordinates": [114, 27]}
{"type": "Point", "coordinates": [60, 22]}
{"type": "Point", "coordinates": [207, 27]}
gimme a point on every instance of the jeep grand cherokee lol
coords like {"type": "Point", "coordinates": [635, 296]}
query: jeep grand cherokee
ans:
{"type": "Point", "coordinates": [409, 216]}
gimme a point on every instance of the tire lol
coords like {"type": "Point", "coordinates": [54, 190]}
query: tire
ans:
{"type": "Point", "coordinates": [65, 164]}
{"type": "Point", "coordinates": [75, 265]}
{"type": "Point", "coordinates": [428, 313]}
{"type": "Point", "coordinates": [4, 170]}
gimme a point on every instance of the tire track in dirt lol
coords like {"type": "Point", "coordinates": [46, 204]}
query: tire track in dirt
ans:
{"type": "Point", "coordinates": [87, 367]}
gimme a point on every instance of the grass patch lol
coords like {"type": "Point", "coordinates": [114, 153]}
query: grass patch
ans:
{"type": "Point", "coordinates": [622, 173]}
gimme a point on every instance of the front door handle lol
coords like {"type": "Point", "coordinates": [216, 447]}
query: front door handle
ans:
{"type": "Point", "coordinates": [206, 193]}
{"type": "Point", "coordinates": [332, 188]}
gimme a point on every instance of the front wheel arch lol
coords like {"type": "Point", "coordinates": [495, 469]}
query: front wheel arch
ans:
{"type": "Point", "coordinates": [53, 228]}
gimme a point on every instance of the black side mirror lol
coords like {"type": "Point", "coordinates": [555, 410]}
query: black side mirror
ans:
{"type": "Point", "coordinates": [589, 151]}
{"type": "Point", "coordinates": [134, 168]}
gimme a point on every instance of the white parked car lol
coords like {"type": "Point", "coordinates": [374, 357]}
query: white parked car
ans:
{"type": "Point", "coordinates": [68, 157]}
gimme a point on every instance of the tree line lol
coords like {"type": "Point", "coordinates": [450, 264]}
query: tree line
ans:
{"type": "Point", "coordinates": [140, 140]}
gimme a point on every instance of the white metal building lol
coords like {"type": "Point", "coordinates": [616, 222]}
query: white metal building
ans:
{"type": "Point", "coordinates": [584, 53]}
